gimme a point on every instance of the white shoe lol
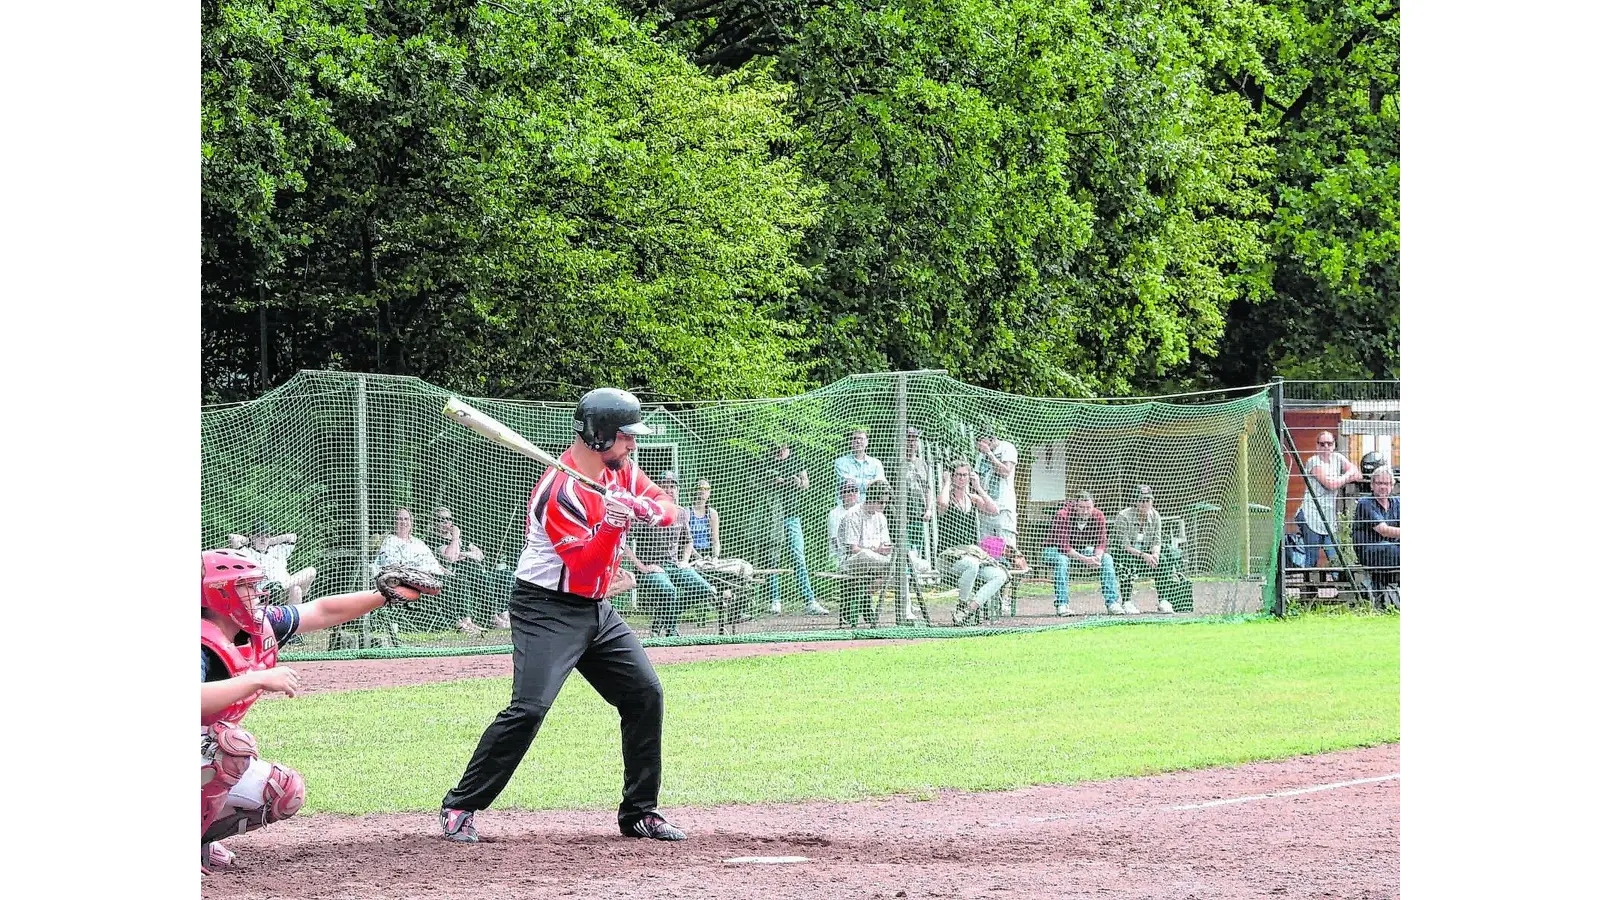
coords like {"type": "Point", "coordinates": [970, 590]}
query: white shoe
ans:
{"type": "Point", "coordinates": [1163, 607]}
{"type": "Point", "coordinates": [469, 627]}
{"type": "Point", "coordinates": [777, 607]}
{"type": "Point", "coordinates": [501, 620]}
{"type": "Point", "coordinates": [214, 856]}
{"type": "Point", "coordinates": [1114, 609]}
{"type": "Point", "coordinates": [1063, 610]}
{"type": "Point", "coordinates": [1128, 609]}
{"type": "Point", "coordinates": [812, 609]}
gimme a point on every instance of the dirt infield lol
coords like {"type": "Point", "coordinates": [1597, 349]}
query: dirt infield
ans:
{"type": "Point", "coordinates": [357, 674]}
{"type": "Point", "coordinates": [1128, 838]}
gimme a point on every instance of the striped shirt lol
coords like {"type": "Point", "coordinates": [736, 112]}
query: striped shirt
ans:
{"type": "Point", "coordinates": [570, 547]}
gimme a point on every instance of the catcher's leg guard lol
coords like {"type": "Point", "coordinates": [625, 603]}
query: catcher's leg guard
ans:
{"type": "Point", "coordinates": [225, 755]}
{"type": "Point", "coordinates": [267, 793]}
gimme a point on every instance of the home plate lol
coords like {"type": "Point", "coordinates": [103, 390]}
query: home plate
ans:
{"type": "Point", "coordinates": [768, 859]}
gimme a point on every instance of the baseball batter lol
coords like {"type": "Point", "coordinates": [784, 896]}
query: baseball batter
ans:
{"type": "Point", "coordinates": [239, 642]}
{"type": "Point", "coordinates": [561, 620]}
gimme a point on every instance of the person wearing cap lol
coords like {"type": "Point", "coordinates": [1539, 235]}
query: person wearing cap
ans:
{"type": "Point", "coordinates": [997, 468]}
{"type": "Point", "coordinates": [856, 465]}
{"type": "Point", "coordinates": [849, 497]}
{"type": "Point", "coordinates": [271, 552]}
{"type": "Point", "coordinates": [789, 480]}
{"type": "Point", "coordinates": [1136, 552]}
{"type": "Point", "coordinates": [660, 555]}
{"type": "Point", "coordinates": [1078, 542]}
{"type": "Point", "coordinates": [864, 537]}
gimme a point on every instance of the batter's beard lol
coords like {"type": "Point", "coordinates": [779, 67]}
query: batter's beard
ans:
{"type": "Point", "coordinates": [614, 464]}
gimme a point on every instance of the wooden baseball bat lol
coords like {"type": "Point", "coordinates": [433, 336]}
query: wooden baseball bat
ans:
{"type": "Point", "coordinates": [463, 413]}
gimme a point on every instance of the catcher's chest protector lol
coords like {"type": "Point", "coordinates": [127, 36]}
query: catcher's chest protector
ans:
{"type": "Point", "coordinates": [260, 653]}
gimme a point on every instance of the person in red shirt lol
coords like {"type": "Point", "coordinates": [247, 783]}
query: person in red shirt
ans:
{"type": "Point", "coordinates": [561, 619]}
{"type": "Point", "coordinates": [1078, 540]}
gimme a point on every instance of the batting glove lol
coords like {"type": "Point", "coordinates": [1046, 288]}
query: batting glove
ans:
{"type": "Point", "coordinates": [640, 509]}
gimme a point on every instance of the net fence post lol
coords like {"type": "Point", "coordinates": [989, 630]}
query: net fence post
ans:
{"type": "Point", "coordinates": [1278, 606]}
{"type": "Point", "coordinates": [902, 558]}
{"type": "Point", "coordinates": [363, 521]}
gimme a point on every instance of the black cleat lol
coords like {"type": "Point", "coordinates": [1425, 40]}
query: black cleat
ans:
{"type": "Point", "coordinates": [651, 825]}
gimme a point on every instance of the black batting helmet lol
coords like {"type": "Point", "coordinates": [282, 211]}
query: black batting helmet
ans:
{"type": "Point", "coordinates": [605, 411]}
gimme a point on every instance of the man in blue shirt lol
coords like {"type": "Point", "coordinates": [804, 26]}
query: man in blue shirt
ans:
{"type": "Point", "coordinates": [857, 466]}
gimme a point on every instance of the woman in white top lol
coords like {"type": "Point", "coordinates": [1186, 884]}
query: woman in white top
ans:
{"type": "Point", "coordinates": [406, 549]}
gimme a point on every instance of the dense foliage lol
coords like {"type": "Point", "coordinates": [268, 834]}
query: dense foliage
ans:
{"type": "Point", "coordinates": [715, 198]}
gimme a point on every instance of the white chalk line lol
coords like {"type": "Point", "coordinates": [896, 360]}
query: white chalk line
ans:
{"type": "Point", "coordinates": [1292, 792]}
{"type": "Point", "coordinates": [1289, 793]}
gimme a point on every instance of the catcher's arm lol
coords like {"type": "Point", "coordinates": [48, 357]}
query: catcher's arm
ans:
{"type": "Point", "coordinates": [396, 584]}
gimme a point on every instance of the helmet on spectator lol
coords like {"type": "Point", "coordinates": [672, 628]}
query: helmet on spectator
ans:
{"type": "Point", "coordinates": [602, 413]}
{"type": "Point", "coordinates": [229, 585]}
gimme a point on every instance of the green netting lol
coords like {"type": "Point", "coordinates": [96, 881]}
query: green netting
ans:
{"type": "Point", "coordinates": [329, 457]}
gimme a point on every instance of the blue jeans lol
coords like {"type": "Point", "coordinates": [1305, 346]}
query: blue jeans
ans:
{"type": "Point", "coordinates": [1315, 543]}
{"type": "Point", "coordinates": [796, 545]}
{"type": "Point", "coordinates": [1063, 565]}
{"type": "Point", "coordinates": [674, 591]}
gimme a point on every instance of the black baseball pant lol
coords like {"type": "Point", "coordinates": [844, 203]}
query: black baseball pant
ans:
{"type": "Point", "coordinates": [553, 633]}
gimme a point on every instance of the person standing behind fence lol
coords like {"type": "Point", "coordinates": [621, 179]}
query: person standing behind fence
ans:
{"type": "Point", "coordinates": [857, 466]}
{"type": "Point", "coordinates": [1078, 540]}
{"type": "Point", "coordinates": [789, 480]}
{"type": "Point", "coordinates": [1326, 472]}
{"type": "Point", "coordinates": [997, 469]}
{"type": "Point", "coordinates": [918, 482]}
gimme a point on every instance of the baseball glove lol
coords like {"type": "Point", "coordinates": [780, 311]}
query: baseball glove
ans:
{"type": "Point", "coordinates": [404, 584]}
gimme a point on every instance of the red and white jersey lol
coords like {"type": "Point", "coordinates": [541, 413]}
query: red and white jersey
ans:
{"type": "Point", "coordinates": [570, 547]}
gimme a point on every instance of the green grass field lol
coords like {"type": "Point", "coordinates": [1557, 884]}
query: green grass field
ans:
{"type": "Point", "coordinates": [975, 714]}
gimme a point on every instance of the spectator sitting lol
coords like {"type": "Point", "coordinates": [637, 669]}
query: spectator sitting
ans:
{"type": "Point", "coordinates": [271, 552]}
{"type": "Point", "coordinates": [1375, 530]}
{"type": "Point", "coordinates": [1078, 541]}
{"type": "Point", "coordinates": [705, 526]}
{"type": "Point", "coordinates": [466, 583]}
{"type": "Point", "coordinates": [661, 553]}
{"type": "Point", "coordinates": [857, 466]}
{"type": "Point", "coordinates": [849, 496]}
{"type": "Point", "coordinates": [961, 501]}
{"type": "Point", "coordinates": [864, 534]}
{"type": "Point", "coordinates": [402, 548]}
{"type": "Point", "coordinates": [1136, 553]}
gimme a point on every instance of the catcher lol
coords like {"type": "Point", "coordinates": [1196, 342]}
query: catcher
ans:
{"type": "Point", "coordinates": [239, 641]}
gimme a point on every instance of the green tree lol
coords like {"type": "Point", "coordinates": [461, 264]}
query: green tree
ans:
{"type": "Point", "coordinates": [495, 196]}
{"type": "Point", "coordinates": [1323, 82]}
{"type": "Point", "coordinates": [1038, 196]}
